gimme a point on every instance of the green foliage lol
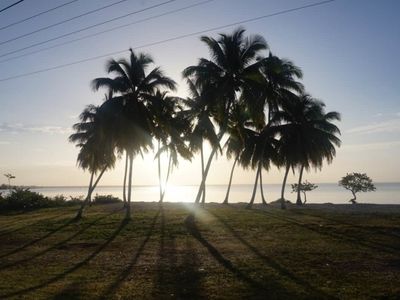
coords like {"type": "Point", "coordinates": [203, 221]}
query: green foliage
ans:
{"type": "Point", "coordinates": [22, 199]}
{"type": "Point", "coordinates": [357, 182]}
{"type": "Point", "coordinates": [304, 187]}
{"type": "Point", "coordinates": [105, 199]}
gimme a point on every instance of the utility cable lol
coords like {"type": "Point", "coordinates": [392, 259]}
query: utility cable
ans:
{"type": "Point", "coordinates": [92, 26]}
{"type": "Point", "coordinates": [11, 5]}
{"type": "Point", "coordinates": [65, 21]}
{"type": "Point", "coordinates": [96, 33]}
{"type": "Point", "coordinates": [169, 39]}
{"type": "Point", "coordinates": [37, 15]}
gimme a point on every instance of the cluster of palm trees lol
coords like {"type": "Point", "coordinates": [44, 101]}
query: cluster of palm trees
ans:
{"type": "Point", "coordinates": [249, 105]}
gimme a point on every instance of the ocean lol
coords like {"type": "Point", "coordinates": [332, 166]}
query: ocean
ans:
{"type": "Point", "coordinates": [386, 193]}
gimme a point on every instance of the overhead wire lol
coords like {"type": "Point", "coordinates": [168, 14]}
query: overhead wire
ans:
{"type": "Point", "coordinates": [11, 5]}
{"type": "Point", "coordinates": [93, 26]}
{"type": "Point", "coordinates": [37, 15]}
{"type": "Point", "coordinates": [170, 39]}
{"type": "Point", "coordinates": [102, 32]}
{"type": "Point", "coordinates": [67, 20]}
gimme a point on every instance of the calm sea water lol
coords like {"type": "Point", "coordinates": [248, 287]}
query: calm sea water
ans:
{"type": "Point", "coordinates": [386, 193]}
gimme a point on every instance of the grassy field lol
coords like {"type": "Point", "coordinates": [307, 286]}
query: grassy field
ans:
{"type": "Point", "coordinates": [228, 252]}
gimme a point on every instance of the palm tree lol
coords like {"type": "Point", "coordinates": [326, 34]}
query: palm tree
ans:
{"type": "Point", "coordinates": [279, 81]}
{"type": "Point", "coordinates": [198, 115]}
{"type": "Point", "coordinates": [307, 136]}
{"type": "Point", "coordinates": [133, 119]}
{"type": "Point", "coordinates": [169, 130]}
{"type": "Point", "coordinates": [231, 69]}
{"type": "Point", "coordinates": [235, 143]}
{"type": "Point", "coordinates": [260, 152]}
{"type": "Point", "coordinates": [90, 133]}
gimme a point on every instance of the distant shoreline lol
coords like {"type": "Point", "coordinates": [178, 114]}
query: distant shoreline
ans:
{"type": "Point", "coordinates": [156, 185]}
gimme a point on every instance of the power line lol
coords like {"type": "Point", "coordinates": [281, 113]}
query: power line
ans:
{"type": "Point", "coordinates": [170, 39]}
{"type": "Point", "coordinates": [11, 5]}
{"type": "Point", "coordinates": [85, 28]}
{"type": "Point", "coordinates": [97, 33]}
{"type": "Point", "coordinates": [64, 21]}
{"type": "Point", "coordinates": [37, 15]}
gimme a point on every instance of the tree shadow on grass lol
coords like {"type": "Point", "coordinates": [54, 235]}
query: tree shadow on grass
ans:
{"type": "Point", "coordinates": [8, 232]}
{"type": "Point", "coordinates": [72, 292]}
{"type": "Point", "coordinates": [311, 291]}
{"type": "Point", "coordinates": [129, 268]}
{"type": "Point", "coordinates": [71, 269]}
{"type": "Point", "coordinates": [259, 290]}
{"type": "Point", "coordinates": [332, 233]}
{"type": "Point", "coordinates": [370, 229]}
{"type": "Point", "coordinates": [53, 247]}
{"type": "Point", "coordinates": [50, 233]}
{"type": "Point", "coordinates": [178, 280]}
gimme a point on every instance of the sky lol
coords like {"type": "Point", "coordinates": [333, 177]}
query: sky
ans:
{"type": "Point", "coordinates": [347, 49]}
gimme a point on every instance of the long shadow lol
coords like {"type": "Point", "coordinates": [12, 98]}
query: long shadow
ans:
{"type": "Point", "coordinates": [337, 235]}
{"type": "Point", "coordinates": [264, 290]}
{"type": "Point", "coordinates": [17, 217]}
{"type": "Point", "coordinates": [181, 280]}
{"type": "Point", "coordinates": [8, 232]}
{"type": "Point", "coordinates": [71, 292]}
{"type": "Point", "coordinates": [71, 269]}
{"type": "Point", "coordinates": [129, 268]}
{"type": "Point", "coordinates": [367, 229]}
{"type": "Point", "coordinates": [273, 264]}
{"type": "Point", "coordinates": [55, 246]}
{"type": "Point", "coordinates": [50, 233]}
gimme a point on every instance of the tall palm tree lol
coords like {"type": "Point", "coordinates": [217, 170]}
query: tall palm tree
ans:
{"type": "Point", "coordinates": [231, 69]}
{"type": "Point", "coordinates": [133, 121]}
{"type": "Point", "coordinates": [170, 130]}
{"type": "Point", "coordinates": [197, 113]}
{"type": "Point", "coordinates": [90, 133]}
{"type": "Point", "coordinates": [307, 136]}
{"type": "Point", "coordinates": [279, 81]}
{"type": "Point", "coordinates": [260, 153]}
{"type": "Point", "coordinates": [238, 133]}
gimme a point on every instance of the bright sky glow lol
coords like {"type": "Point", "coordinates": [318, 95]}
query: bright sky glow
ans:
{"type": "Point", "coordinates": [347, 49]}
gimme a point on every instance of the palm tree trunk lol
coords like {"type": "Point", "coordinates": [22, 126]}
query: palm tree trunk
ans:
{"type": "Point", "coordinates": [261, 187]}
{"type": "Point", "coordinates": [90, 191]}
{"type": "Point", "coordinates": [283, 203]}
{"type": "Point", "coordinates": [298, 201]}
{"type": "Point", "coordinates": [128, 208]}
{"type": "Point", "coordinates": [205, 173]}
{"type": "Point", "coordinates": [159, 171]}
{"type": "Point", "coordinates": [80, 211]}
{"type": "Point", "coordinates": [166, 180]}
{"type": "Point", "coordinates": [253, 196]}
{"type": "Point", "coordinates": [124, 184]}
{"type": "Point", "coordinates": [203, 200]}
{"type": "Point", "coordinates": [230, 181]}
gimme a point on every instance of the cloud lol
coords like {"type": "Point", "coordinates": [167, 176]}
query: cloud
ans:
{"type": "Point", "coordinates": [392, 125]}
{"type": "Point", "coordinates": [20, 128]}
{"type": "Point", "coordinates": [371, 146]}
{"type": "Point", "coordinates": [5, 143]}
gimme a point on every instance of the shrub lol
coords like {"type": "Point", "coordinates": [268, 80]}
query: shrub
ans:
{"type": "Point", "coordinates": [105, 199]}
{"type": "Point", "coordinates": [24, 199]}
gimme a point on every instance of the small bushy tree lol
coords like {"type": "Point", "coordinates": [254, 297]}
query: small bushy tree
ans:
{"type": "Point", "coordinates": [357, 182]}
{"type": "Point", "coordinates": [303, 188]}
{"type": "Point", "coordinates": [9, 177]}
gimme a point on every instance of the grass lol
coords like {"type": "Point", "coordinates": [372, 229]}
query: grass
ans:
{"type": "Point", "coordinates": [226, 252]}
